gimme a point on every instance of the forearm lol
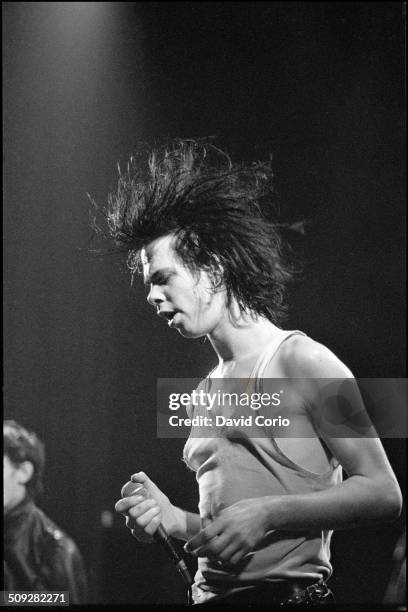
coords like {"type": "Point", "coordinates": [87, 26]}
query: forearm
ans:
{"type": "Point", "coordinates": [357, 501]}
{"type": "Point", "coordinates": [187, 524]}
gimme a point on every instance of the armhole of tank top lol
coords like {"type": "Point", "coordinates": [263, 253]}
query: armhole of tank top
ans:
{"type": "Point", "coordinates": [333, 462]}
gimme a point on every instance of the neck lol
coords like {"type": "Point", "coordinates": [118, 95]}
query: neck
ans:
{"type": "Point", "coordinates": [241, 337]}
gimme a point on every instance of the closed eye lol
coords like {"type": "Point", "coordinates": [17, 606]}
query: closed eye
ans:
{"type": "Point", "coordinates": [161, 280]}
{"type": "Point", "coordinates": [158, 278]}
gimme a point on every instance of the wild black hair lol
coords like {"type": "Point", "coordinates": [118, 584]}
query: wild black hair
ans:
{"type": "Point", "coordinates": [21, 445]}
{"type": "Point", "coordinates": [222, 215]}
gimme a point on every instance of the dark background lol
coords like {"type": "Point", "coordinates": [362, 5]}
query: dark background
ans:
{"type": "Point", "coordinates": [319, 85]}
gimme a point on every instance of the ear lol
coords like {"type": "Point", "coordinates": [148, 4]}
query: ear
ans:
{"type": "Point", "coordinates": [217, 274]}
{"type": "Point", "coordinates": [25, 472]}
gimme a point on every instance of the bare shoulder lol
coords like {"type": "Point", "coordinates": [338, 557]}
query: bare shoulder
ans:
{"type": "Point", "coordinates": [303, 357]}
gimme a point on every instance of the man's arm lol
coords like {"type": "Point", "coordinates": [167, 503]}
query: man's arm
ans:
{"type": "Point", "coordinates": [371, 492]}
{"type": "Point", "coordinates": [188, 524]}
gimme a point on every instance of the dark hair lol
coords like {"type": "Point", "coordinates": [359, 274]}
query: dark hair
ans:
{"type": "Point", "coordinates": [21, 445]}
{"type": "Point", "coordinates": [222, 214]}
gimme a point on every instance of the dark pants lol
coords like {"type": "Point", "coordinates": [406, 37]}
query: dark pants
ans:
{"type": "Point", "coordinates": [275, 595]}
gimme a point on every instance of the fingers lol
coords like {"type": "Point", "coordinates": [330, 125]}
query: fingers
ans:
{"type": "Point", "coordinates": [136, 507]}
{"type": "Point", "coordinates": [204, 536]}
{"type": "Point", "coordinates": [140, 477]}
{"type": "Point", "coordinates": [231, 554]}
{"type": "Point", "coordinates": [213, 549]}
{"type": "Point", "coordinates": [146, 515]}
{"type": "Point", "coordinates": [237, 557]}
{"type": "Point", "coordinates": [124, 504]}
{"type": "Point", "coordinates": [223, 550]}
{"type": "Point", "coordinates": [140, 512]}
{"type": "Point", "coordinates": [224, 546]}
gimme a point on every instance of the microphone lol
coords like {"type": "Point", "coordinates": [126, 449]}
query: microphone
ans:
{"type": "Point", "coordinates": [160, 535]}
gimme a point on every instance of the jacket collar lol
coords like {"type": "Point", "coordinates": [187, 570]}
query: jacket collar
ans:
{"type": "Point", "coordinates": [19, 514]}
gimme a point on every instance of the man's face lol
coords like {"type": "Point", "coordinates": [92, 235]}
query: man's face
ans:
{"type": "Point", "coordinates": [13, 484]}
{"type": "Point", "coordinates": [186, 301]}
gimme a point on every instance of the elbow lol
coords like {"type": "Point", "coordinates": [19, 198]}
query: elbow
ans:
{"type": "Point", "coordinates": [391, 501]}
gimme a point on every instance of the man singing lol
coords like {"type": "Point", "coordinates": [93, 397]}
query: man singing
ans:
{"type": "Point", "coordinates": [215, 266]}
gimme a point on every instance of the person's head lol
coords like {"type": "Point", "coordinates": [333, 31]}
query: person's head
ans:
{"type": "Point", "coordinates": [188, 209]}
{"type": "Point", "coordinates": [23, 464]}
{"type": "Point", "coordinates": [187, 299]}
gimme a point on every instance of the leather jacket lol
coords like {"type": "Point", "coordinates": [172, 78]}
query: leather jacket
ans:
{"type": "Point", "coordinates": [38, 556]}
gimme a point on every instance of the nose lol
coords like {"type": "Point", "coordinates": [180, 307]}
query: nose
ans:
{"type": "Point", "coordinates": [155, 295]}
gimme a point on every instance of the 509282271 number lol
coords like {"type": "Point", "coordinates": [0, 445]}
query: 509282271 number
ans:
{"type": "Point", "coordinates": [34, 598]}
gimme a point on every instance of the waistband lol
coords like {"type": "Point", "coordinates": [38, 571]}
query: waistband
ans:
{"type": "Point", "coordinates": [290, 593]}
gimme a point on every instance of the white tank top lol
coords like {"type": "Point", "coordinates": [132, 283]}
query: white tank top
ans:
{"type": "Point", "coordinates": [229, 469]}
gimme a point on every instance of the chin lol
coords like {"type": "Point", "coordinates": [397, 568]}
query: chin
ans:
{"type": "Point", "coordinates": [191, 334]}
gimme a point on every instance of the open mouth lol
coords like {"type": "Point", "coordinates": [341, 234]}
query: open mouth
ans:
{"type": "Point", "coordinates": [169, 315]}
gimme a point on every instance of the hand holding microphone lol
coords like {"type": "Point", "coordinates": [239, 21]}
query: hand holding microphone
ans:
{"type": "Point", "coordinates": [146, 515]}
